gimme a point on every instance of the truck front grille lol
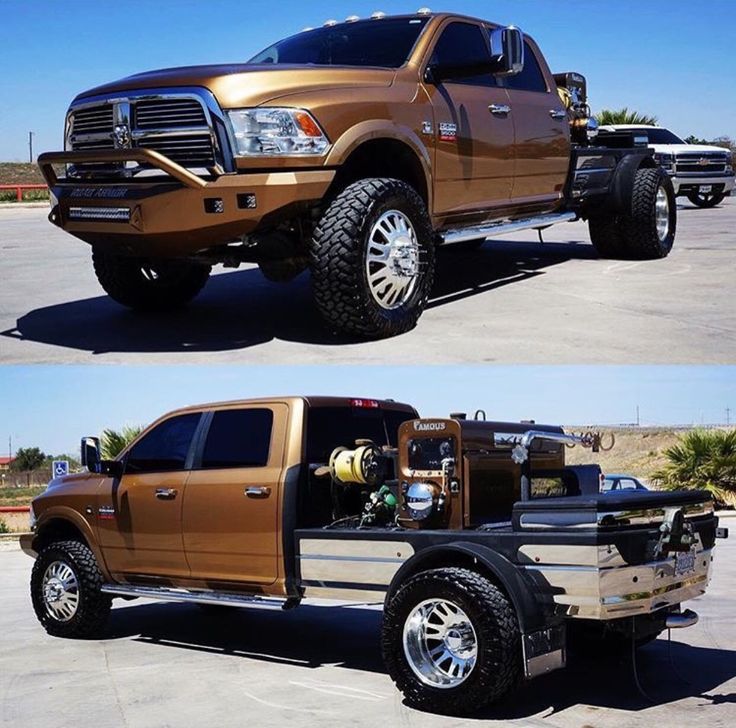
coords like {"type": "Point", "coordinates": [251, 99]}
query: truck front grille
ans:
{"type": "Point", "coordinates": [703, 163]}
{"type": "Point", "coordinates": [177, 127]}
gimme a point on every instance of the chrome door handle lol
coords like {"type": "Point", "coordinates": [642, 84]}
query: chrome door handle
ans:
{"type": "Point", "coordinates": [253, 491]}
{"type": "Point", "coordinates": [166, 493]}
{"type": "Point", "coordinates": [499, 109]}
{"type": "Point", "coordinates": [557, 114]}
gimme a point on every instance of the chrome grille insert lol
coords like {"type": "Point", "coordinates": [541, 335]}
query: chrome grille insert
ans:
{"type": "Point", "coordinates": [177, 126]}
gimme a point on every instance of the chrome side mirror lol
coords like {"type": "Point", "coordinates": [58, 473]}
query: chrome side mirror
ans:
{"type": "Point", "coordinates": [90, 454]}
{"type": "Point", "coordinates": [507, 49]}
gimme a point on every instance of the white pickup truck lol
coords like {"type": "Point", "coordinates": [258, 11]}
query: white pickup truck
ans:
{"type": "Point", "coordinates": [702, 173]}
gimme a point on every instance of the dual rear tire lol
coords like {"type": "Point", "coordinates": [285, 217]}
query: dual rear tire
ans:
{"type": "Point", "coordinates": [646, 229]}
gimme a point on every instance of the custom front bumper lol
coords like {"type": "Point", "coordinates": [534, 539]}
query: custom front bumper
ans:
{"type": "Point", "coordinates": [174, 215]}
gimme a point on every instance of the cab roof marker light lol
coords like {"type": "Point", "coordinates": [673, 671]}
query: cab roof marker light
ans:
{"type": "Point", "coordinates": [329, 23]}
{"type": "Point", "coordinates": [378, 15]}
{"type": "Point", "coordinates": [304, 30]}
{"type": "Point", "coordinates": [424, 11]}
{"type": "Point", "coordinates": [352, 18]}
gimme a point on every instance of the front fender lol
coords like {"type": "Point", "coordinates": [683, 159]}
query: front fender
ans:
{"type": "Point", "coordinates": [64, 513]}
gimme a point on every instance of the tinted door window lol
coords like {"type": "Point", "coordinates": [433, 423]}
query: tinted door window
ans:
{"type": "Point", "coordinates": [165, 447]}
{"type": "Point", "coordinates": [531, 77]}
{"type": "Point", "coordinates": [238, 439]}
{"type": "Point", "coordinates": [463, 44]}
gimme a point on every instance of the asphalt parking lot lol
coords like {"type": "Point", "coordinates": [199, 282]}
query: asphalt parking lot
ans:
{"type": "Point", "coordinates": [514, 301]}
{"type": "Point", "coordinates": [168, 664]}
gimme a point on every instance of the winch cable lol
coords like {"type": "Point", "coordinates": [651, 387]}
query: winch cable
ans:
{"type": "Point", "coordinates": [633, 664]}
{"type": "Point", "coordinates": [672, 659]}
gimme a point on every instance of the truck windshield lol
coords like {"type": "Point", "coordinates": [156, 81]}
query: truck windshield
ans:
{"type": "Point", "coordinates": [329, 427]}
{"type": "Point", "coordinates": [384, 43]}
{"type": "Point", "coordinates": [660, 136]}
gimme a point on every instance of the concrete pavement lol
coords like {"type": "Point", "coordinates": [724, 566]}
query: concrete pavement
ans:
{"type": "Point", "coordinates": [514, 301]}
{"type": "Point", "coordinates": [173, 665]}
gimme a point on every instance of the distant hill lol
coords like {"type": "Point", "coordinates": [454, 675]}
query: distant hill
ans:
{"type": "Point", "coordinates": [20, 173]}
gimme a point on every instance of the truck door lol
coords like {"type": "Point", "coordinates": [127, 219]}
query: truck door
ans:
{"type": "Point", "coordinates": [139, 525]}
{"type": "Point", "coordinates": [474, 134]}
{"type": "Point", "coordinates": [231, 508]}
{"type": "Point", "coordinates": [541, 131]}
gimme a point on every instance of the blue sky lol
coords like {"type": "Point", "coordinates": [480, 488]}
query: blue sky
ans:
{"type": "Point", "coordinates": [53, 406]}
{"type": "Point", "coordinates": [671, 58]}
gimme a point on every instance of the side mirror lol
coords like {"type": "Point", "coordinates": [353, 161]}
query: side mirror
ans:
{"type": "Point", "coordinates": [507, 49]}
{"type": "Point", "coordinates": [91, 454]}
{"type": "Point", "coordinates": [92, 460]}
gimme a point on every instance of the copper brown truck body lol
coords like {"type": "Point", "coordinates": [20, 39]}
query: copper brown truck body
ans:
{"type": "Point", "coordinates": [155, 170]}
{"type": "Point", "coordinates": [465, 500]}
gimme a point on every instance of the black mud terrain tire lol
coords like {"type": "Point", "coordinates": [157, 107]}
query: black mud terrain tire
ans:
{"type": "Point", "coordinates": [92, 608]}
{"type": "Point", "coordinates": [706, 199]}
{"type": "Point", "coordinates": [149, 285]}
{"type": "Point", "coordinates": [350, 293]}
{"type": "Point", "coordinates": [498, 663]}
{"type": "Point", "coordinates": [647, 229]}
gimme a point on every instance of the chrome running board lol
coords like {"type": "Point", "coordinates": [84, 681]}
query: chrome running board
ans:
{"type": "Point", "coordinates": [195, 596]}
{"type": "Point", "coordinates": [488, 230]}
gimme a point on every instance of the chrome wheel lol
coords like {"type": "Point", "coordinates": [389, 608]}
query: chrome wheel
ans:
{"type": "Point", "coordinates": [662, 208]}
{"type": "Point", "coordinates": [392, 260]}
{"type": "Point", "coordinates": [440, 643]}
{"type": "Point", "coordinates": [60, 590]}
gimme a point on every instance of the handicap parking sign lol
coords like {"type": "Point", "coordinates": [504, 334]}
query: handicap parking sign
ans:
{"type": "Point", "coordinates": [60, 468]}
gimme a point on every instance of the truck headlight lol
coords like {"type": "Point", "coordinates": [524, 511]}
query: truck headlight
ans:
{"type": "Point", "coordinates": [32, 519]}
{"type": "Point", "coordinates": [268, 131]}
{"type": "Point", "coordinates": [665, 160]}
{"type": "Point", "coordinates": [729, 163]}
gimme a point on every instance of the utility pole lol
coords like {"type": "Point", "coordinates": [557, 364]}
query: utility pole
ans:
{"type": "Point", "coordinates": [637, 415]}
{"type": "Point", "coordinates": [30, 147]}
{"type": "Point", "coordinates": [728, 416]}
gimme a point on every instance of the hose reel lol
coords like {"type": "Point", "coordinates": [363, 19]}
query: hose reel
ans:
{"type": "Point", "coordinates": [361, 465]}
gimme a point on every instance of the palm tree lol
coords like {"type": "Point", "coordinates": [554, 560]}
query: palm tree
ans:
{"type": "Point", "coordinates": [115, 441]}
{"type": "Point", "coordinates": [702, 459]}
{"type": "Point", "coordinates": [611, 117]}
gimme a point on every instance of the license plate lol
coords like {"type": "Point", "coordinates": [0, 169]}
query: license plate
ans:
{"type": "Point", "coordinates": [706, 188]}
{"type": "Point", "coordinates": [684, 563]}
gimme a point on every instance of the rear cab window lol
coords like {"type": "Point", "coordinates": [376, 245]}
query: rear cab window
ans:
{"type": "Point", "coordinates": [531, 77]}
{"type": "Point", "coordinates": [238, 438]}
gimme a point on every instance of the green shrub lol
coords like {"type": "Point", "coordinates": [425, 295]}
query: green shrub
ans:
{"type": "Point", "coordinates": [704, 460]}
{"type": "Point", "coordinates": [4, 527]}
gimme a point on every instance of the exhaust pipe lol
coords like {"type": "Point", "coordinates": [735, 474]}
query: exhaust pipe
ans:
{"type": "Point", "coordinates": [678, 620]}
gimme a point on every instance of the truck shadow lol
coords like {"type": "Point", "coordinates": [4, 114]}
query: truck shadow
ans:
{"type": "Point", "coordinates": [348, 637]}
{"type": "Point", "coordinates": [242, 309]}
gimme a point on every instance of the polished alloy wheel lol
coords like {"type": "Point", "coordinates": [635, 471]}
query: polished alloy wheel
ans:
{"type": "Point", "coordinates": [60, 591]}
{"type": "Point", "coordinates": [440, 643]}
{"type": "Point", "coordinates": [392, 260]}
{"type": "Point", "coordinates": [662, 208]}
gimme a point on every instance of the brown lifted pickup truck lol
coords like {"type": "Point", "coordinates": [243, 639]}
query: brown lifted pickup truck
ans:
{"type": "Point", "coordinates": [355, 150]}
{"type": "Point", "coordinates": [483, 545]}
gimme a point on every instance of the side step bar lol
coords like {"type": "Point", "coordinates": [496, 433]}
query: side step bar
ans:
{"type": "Point", "coordinates": [194, 596]}
{"type": "Point", "coordinates": [488, 230]}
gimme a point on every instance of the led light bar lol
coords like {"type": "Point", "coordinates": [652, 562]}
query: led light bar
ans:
{"type": "Point", "coordinates": [108, 214]}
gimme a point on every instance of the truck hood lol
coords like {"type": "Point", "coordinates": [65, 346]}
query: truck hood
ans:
{"type": "Point", "coordinates": [249, 85]}
{"type": "Point", "coordinates": [685, 148]}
